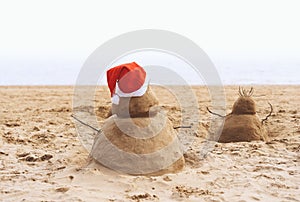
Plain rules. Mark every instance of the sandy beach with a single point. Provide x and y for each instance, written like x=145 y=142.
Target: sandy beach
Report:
x=42 y=158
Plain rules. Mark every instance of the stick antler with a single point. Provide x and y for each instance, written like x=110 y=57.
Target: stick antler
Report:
x=240 y=92
x=265 y=119
x=244 y=93
x=250 y=93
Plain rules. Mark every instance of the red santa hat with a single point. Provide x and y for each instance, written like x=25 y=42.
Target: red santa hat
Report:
x=126 y=80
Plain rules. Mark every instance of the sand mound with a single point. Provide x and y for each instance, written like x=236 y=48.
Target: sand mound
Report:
x=139 y=145
x=135 y=106
x=242 y=124
x=240 y=128
x=138 y=139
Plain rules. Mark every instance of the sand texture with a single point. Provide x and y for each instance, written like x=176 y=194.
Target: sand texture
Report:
x=153 y=139
x=42 y=158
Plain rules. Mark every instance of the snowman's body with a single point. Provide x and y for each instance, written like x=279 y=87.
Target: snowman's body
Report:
x=243 y=124
x=138 y=139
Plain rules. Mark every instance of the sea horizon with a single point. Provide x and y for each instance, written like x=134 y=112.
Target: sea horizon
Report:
x=228 y=76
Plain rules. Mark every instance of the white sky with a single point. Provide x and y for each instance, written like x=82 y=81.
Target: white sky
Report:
x=61 y=34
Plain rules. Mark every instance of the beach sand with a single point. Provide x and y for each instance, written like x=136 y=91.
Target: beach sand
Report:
x=42 y=158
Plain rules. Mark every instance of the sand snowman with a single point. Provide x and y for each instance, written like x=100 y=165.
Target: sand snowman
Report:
x=138 y=138
x=243 y=124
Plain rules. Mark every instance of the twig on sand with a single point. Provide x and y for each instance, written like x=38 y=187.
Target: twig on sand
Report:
x=176 y=127
x=95 y=129
x=215 y=113
x=265 y=119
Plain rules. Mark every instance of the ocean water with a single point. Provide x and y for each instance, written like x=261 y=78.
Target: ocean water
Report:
x=49 y=71
x=228 y=76
x=260 y=75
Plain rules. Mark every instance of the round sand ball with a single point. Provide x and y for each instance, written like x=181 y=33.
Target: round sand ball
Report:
x=136 y=106
x=244 y=105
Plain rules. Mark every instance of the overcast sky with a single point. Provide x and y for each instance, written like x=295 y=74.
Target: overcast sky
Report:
x=46 y=37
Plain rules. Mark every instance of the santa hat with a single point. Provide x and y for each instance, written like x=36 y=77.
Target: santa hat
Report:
x=126 y=80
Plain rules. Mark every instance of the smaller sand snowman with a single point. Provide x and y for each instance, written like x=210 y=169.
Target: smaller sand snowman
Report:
x=138 y=138
x=243 y=124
